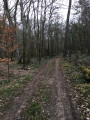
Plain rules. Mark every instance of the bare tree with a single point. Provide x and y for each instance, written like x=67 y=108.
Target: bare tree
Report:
x=66 y=30
x=24 y=32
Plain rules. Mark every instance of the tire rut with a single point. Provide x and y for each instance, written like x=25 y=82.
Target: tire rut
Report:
x=65 y=108
x=20 y=103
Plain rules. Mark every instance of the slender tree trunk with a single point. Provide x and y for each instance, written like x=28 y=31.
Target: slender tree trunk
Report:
x=8 y=69
x=24 y=49
x=24 y=36
x=67 y=28
x=2 y=53
x=17 y=50
x=38 y=35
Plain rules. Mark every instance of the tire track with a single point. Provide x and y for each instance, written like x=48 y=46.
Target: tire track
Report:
x=20 y=103
x=65 y=108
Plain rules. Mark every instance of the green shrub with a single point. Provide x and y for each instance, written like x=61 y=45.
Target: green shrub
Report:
x=86 y=72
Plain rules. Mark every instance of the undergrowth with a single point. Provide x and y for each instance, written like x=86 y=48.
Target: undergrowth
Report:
x=80 y=85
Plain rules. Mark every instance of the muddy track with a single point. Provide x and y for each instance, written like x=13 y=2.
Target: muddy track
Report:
x=61 y=106
x=20 y=103
x=64 y=105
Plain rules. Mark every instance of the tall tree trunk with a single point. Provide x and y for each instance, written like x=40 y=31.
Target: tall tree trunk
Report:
x=2 y=53
x=38 y=34
x=24 y=36
x=17 y=50
x=67 y=28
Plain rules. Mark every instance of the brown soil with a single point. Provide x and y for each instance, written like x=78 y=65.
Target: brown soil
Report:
x=61 y=106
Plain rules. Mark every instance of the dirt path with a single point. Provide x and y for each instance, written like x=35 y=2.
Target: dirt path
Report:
x=60 y=108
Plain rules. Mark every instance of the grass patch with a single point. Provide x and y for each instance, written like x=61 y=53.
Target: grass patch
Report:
x=10 y=90
x=34 y=112
x=3 y=82
x=50 y=68
x=36 y=109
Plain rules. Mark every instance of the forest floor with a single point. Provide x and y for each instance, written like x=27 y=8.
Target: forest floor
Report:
x=46 y=96
x=80 y=85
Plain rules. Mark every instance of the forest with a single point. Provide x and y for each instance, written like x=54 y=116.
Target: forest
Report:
x=45 y=60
